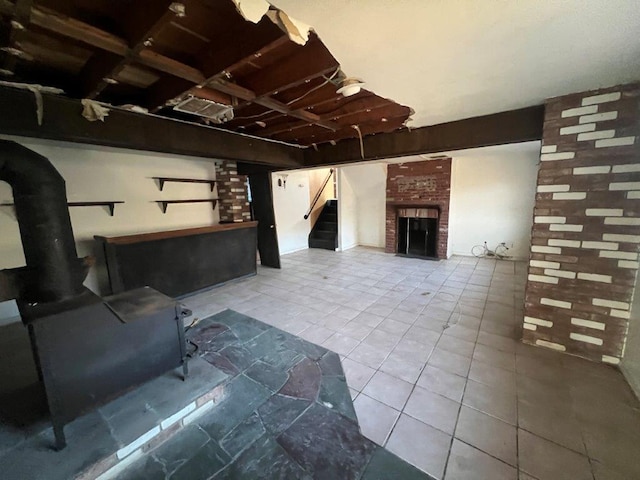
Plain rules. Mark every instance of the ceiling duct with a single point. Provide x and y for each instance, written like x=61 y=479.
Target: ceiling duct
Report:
x=216 y=112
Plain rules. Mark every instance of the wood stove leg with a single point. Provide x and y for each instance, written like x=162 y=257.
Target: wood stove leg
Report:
x=61 y=441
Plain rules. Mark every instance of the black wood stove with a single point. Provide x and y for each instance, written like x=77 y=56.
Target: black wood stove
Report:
x=88 y=349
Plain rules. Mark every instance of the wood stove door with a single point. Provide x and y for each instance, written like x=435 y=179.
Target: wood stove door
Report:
x=262 y=202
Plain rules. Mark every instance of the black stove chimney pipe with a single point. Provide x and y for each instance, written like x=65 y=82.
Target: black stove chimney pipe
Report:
x=53 y=271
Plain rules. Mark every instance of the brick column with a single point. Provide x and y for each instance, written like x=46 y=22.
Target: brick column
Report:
x=233 y=203
x=584 y=253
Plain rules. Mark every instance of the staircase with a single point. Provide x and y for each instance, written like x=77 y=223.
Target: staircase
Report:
x=324 y=233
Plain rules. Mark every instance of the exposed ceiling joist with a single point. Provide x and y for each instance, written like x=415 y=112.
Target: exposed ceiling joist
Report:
x=515 y=126
x=62 y=121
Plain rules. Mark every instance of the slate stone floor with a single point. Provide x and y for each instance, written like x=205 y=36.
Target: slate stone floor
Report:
x=286 y=414
x=431 y=355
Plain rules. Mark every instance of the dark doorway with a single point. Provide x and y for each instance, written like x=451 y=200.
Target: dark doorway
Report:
x=262 y=207
x=417 y=236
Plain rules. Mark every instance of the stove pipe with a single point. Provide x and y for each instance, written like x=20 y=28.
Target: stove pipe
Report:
x=53 y=271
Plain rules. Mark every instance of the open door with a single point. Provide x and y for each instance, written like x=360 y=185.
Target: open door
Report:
x=262 y=202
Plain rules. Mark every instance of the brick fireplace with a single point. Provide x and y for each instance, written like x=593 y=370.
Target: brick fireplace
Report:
x=419 y=190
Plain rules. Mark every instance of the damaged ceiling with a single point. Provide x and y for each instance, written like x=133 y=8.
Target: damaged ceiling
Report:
x=242 y=65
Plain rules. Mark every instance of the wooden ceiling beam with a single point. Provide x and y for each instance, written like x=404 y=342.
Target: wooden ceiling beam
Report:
x=101 y=70
x=515 y=126
x=310 y=61
x=125 y=129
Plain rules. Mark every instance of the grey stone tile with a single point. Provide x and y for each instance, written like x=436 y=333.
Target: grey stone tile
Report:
x=340 y=343
x=494 y=357
x=388 y=389
x=386 y=466
x=491 y=401
x=488 y=434
x=450 y=362
x=334 y=394
x=496 y=341
x=357 y=374
x=237 y=440
x=375 y=418
x=559 y=463
x=382 y=339
x=370 y=319
x=423 y=335
x=413 y=351
x=456 y=345
x=443 y=383
x=420 y=445
x=320 y=434
x=493 y=377
x=393 y=326
x=433 y=409
x=468 y=463
x=558 y=425
x=459 y=331
x=355 y=330
x=316 y=334
x=396 y=366
x=368 y=355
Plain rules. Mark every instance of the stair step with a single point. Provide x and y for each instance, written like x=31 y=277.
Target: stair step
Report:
x=326 y=226
x=323 y=234
x=320 y=243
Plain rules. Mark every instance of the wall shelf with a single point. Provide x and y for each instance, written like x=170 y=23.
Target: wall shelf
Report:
x=163 y=180
x=165 y=203
x=110 y=204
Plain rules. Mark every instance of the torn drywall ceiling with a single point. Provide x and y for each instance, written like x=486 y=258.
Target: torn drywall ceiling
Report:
x=254 y=10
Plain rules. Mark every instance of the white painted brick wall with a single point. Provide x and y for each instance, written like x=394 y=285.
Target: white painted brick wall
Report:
x=594 y=277
x=591 y=170
x=604 y=98
x=549 y=149
x=620 y=314
x=584 y=137
x=574 y=112
x=542 y=279
x=633 y=195
x=587 y=127
x=603 y=302
x=543 y=264
x=624 y=186
x=621 y=221
x=551 y=345
x=615 y=142
x=529 y=326
x=610 y=359
x=555 y=303
x=559 y=273
x=569 y=196
x=628 y=168
x=619 y=255
x=585 y=338
x=546 y=219
x=600 y=245
x=543 y=249
x=552 y=188
x=557 y=227
x=547 y=157
x=628 y=264
x=538 y=321
x=604 y=212
x=618 y=237
x=588 y=324
x=554 y=242
x=599 y=117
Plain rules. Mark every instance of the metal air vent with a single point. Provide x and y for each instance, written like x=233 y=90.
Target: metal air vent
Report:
x=216 y=112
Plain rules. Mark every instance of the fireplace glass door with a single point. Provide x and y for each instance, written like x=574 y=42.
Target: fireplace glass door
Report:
x=417 y=236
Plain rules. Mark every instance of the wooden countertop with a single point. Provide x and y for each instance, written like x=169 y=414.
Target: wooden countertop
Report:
x=148 y=237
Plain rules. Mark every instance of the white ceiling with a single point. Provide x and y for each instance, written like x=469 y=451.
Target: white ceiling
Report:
x=454 y=59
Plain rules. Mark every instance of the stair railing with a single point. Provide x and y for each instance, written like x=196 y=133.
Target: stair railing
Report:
x=317 y=197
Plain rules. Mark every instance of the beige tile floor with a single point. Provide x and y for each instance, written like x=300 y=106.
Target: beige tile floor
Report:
x=437 y=375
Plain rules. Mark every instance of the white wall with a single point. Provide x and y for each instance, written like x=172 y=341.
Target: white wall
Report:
x=94 y=173
x=317 y=178
x=492 y=198
x=368 y=183
x=347 y=210
x=290 y=204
